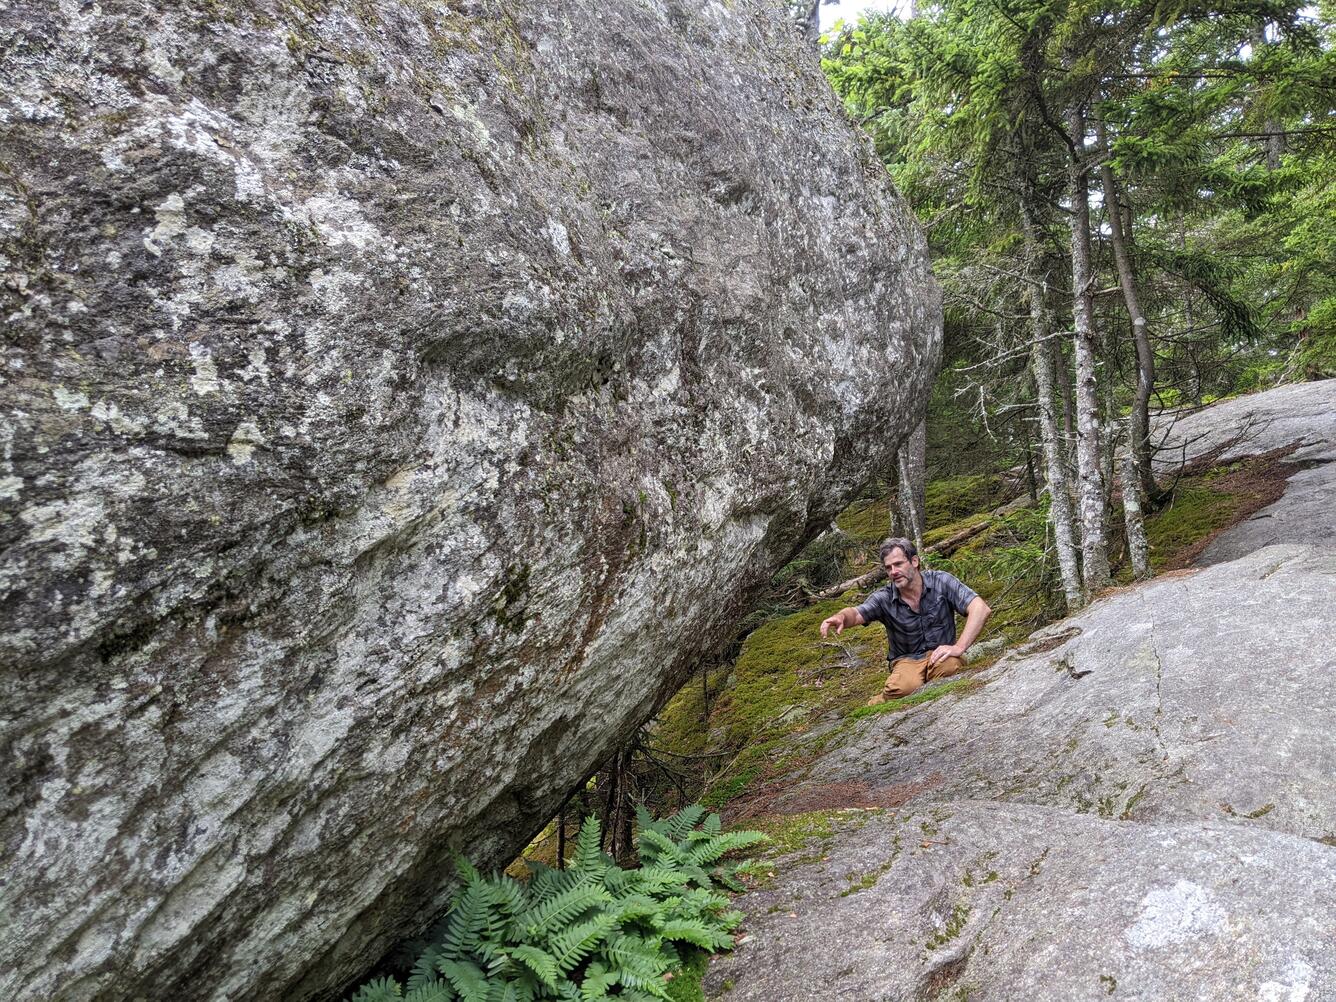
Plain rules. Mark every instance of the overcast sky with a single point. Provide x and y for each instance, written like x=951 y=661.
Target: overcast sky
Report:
x=850 y=9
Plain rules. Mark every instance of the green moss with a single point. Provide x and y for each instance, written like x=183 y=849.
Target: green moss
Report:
x=1196 y=511
x=960 y=915
x=1109 y=983
x=959 y=686
x=1132 y=801
x=946 y=501
x=869 y=521
x=795 y=832
x=687 y=984
x=861 y=882
x=721 y=793
x=785 y=677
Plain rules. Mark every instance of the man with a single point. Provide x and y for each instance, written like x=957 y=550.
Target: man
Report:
x=918 y=609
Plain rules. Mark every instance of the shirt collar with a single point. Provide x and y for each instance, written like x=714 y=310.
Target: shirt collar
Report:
x=927 y=587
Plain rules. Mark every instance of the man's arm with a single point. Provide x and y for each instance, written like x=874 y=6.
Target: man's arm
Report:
x=976 y=614
x=848 y=616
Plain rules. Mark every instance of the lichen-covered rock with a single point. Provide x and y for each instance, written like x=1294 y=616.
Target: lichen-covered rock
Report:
x=1002 y=902
x=1300 y=417
x=398 y=397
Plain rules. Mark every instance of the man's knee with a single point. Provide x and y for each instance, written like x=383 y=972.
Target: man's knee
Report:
x=900 y=687
x=945 y=667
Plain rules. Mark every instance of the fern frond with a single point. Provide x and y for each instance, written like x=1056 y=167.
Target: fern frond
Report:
x=682 y=822
x=467 y=979
x=467 y=921
x=380 y=990
x=562 y=910
x=655 y=846
x=720 y=845
x=576 y=943
x=543 y=881
x=431 y=991
x=424 y=969
x=507 y=894
x=540 y=962
x=697 y=933
x=597 y=980
x=635 y=955
x=633 y=907
x=588 y=855
x=468 y=873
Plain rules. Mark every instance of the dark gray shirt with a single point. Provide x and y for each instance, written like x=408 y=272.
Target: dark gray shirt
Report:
x=911 y=634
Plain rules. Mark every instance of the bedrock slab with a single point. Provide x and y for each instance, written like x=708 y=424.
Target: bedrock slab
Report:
x=1199 y=695
x=1302 y=417
x=998 y=902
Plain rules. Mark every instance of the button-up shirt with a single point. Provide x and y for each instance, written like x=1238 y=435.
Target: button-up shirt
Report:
x=911 y=634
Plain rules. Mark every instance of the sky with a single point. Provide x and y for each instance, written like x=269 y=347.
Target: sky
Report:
x=850 y=9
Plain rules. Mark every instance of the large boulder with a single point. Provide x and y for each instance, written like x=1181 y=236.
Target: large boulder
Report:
x=398 y=398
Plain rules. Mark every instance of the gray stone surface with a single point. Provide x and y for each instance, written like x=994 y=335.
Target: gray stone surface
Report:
x=397 y=398
x=1197 y=695
x=1302 y=415
x=1163 y=761
x=1007 y=902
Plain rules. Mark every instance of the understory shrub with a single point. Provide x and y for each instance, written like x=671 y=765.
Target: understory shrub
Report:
x=592 y=931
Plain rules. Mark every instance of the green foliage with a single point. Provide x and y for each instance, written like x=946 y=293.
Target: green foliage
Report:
x=590 y=932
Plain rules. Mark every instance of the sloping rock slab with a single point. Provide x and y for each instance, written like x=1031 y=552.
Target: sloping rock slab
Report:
x=1010 y=902
x=1207 y=694
x=1302 y=416
x=398 y=397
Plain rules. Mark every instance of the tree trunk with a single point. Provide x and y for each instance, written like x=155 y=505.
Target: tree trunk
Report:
x=1041 y=367
x=1058 y=362
x=1134 y=523
x=1274 y=131
x=908 y=513
x=1139 y=427
x=1090 y=482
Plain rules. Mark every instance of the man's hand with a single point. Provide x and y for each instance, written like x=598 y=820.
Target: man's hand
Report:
x=836 y=621
x=944 y=652
x=848 y=616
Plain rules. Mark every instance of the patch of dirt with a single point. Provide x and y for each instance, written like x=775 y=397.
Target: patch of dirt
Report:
x=779 y=798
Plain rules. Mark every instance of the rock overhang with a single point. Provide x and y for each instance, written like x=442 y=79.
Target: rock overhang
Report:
x=400 y=398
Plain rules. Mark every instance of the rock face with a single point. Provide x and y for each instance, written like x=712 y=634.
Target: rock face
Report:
x=1138 y=803
x=1302 y=417
x=398 y=398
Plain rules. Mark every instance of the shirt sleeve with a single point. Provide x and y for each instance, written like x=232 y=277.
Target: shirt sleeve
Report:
x=959 y=594
x=872 y=609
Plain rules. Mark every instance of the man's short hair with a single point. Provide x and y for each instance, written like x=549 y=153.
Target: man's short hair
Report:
x=906 y=546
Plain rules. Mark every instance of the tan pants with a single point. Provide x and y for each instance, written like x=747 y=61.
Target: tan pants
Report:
x=907 y=674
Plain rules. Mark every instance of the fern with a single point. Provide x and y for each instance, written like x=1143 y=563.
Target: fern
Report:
x=467 y=979
x=562 y=910
x=380 y=990
x=431 y=991
x=591 y=932
x=576 y=943
x=540 y=962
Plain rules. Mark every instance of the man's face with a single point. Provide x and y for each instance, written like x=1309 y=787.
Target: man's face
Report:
x=900 y=569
